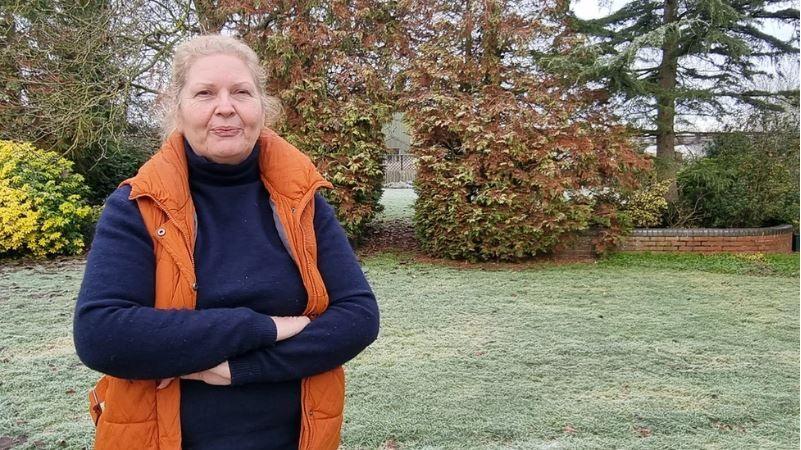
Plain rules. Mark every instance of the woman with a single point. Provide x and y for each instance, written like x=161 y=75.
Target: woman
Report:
x=205 y=271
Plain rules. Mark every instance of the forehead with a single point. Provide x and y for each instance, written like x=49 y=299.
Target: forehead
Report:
x=215 y=69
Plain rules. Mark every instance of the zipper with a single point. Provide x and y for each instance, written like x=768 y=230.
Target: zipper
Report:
x=306 y=428
x=302 y=206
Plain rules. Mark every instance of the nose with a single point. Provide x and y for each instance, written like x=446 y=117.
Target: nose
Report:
x=225 y=106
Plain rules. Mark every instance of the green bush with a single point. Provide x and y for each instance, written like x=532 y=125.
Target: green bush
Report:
x=512 y=161
x=331 y=64
x=348 y=148
x=42 y=206
x=747 y=180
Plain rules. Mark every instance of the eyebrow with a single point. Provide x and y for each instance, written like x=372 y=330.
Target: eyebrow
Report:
x=202 y=85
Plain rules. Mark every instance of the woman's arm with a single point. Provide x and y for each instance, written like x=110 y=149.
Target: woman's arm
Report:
x=346 y=328
x=117 y=330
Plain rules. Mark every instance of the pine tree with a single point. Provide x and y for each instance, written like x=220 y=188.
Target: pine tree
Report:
x=694 y=55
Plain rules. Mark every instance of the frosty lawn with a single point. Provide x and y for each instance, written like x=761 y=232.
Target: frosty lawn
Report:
x=636 y=351
x=569 y=356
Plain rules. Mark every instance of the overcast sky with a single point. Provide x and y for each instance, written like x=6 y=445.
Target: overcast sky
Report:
x=590 y=9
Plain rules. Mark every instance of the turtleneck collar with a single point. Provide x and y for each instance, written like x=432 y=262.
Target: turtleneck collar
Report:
x=204 y=171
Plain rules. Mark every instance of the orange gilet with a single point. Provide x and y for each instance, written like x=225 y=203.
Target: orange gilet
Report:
x=132 y=414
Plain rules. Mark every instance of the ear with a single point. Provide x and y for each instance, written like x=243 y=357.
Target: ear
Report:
x=177 y=123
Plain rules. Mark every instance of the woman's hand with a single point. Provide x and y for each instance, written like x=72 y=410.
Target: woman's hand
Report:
x=288 y=326
x=164 y=382
x=219 y=375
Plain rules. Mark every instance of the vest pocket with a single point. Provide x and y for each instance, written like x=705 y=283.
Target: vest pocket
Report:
x=326 y=434
x=327 y=394
x=129 y=401
x=122 y=436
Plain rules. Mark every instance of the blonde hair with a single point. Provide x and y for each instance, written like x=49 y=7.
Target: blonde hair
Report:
x=206 y=45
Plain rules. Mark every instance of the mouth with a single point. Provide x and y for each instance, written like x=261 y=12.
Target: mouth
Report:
x=226 y=131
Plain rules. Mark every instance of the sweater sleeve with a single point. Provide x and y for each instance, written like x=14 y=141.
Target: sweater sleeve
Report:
x=117 y=330
x=346 y=328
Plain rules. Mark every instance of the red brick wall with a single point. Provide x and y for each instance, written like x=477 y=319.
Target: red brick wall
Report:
x=780 y=243
x=705 y=240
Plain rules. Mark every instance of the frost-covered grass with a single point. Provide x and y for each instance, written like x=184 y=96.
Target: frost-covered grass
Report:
x=42 y=383
x=636 y=351
x=576 y=356
x=579 y=356
x=398 y=204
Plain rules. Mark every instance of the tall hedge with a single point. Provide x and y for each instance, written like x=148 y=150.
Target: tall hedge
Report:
x=328 y=62
x=510 y=163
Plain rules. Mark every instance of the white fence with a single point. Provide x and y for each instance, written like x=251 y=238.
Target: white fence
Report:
x=400 y=168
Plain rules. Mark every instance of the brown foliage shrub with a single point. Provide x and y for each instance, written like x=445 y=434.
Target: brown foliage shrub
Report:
x=327 y=62
x=509 y=162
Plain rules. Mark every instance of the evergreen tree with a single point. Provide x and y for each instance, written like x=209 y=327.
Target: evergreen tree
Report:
x=664 y=56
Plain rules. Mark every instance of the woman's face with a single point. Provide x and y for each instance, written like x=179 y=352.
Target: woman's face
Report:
x=220 y=113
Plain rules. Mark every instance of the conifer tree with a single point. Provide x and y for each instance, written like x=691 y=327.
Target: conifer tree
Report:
x=665 y=57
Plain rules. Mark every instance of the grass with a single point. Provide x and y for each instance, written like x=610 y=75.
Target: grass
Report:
x=398 y=204
x=770 y=264
x=577 y=356
x=636 y=351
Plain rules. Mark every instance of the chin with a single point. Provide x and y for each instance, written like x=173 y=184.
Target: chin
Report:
x=231 y=150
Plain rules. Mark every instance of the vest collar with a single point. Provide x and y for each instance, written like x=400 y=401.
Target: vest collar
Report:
x=285 y=171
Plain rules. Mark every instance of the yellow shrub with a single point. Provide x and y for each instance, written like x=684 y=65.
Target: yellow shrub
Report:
x=42 y=206
x=646 y=206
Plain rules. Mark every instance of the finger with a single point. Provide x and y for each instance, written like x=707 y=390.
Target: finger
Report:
x=164 y=383
x=193 y=376
x=222 y=370
x=217 y=380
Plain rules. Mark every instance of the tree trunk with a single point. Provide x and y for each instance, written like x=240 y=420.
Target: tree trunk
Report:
x=666 y=104
x=490 y=57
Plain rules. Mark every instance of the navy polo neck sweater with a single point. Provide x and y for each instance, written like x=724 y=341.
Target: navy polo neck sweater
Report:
x=240 y=261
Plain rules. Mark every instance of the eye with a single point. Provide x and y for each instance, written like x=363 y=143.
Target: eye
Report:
x=243 y=91
x=202 y=93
